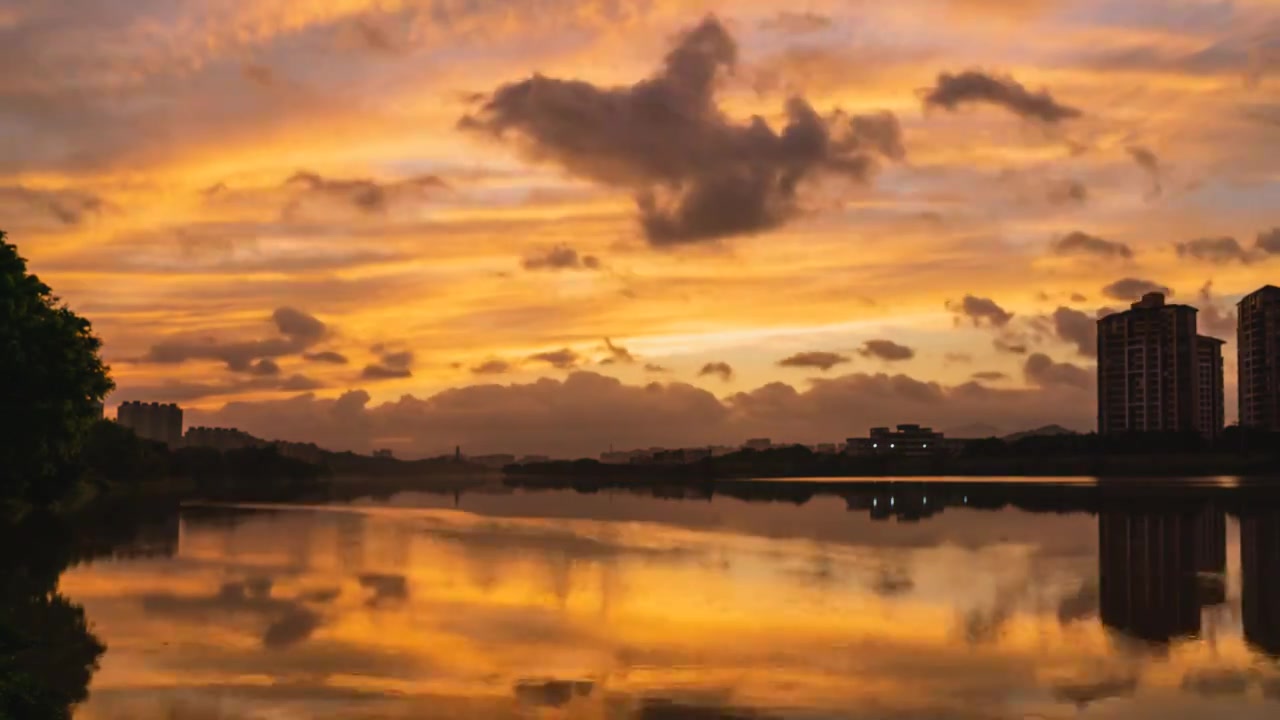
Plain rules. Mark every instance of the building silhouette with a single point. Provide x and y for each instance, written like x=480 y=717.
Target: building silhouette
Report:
x=909 y=440
x=1212 y=387
x=221 y=438
x=1151 y=363
x=1150 y=562
x=153 y=421
x=1258 y=345
x=1260 y=586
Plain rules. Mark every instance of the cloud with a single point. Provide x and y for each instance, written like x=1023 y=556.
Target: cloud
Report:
x=64 y=208
x=1083 y=693
x=617 y=354
x=797 y=23
x=328 y=356
x=492 y=367
x=886 y=350
x=552 y=693
x=1081 y=243
x=264 y=368
x=386 y=588
x=1216 y=682
x=990 y=375
x=823 y=361
x=585 y=412
x=721 y=370
x=181 y=391
x=298 y=331
x=257 y=74
x=1067 y=192
x=1269 y=241
x=1077 y=328
x=392 y=365
x=1147 y=160
x=562 y=359
x=1132 y=289
x=1077 y=297
x=1041 y=370
x=365 y=195
x=976 y=86
x=294 y=323
x=1012 y=347
x=696 y=175
x=1220 y=250
x=1213 y=320
x=559 y=257
x=655 y=368
x=980 y=311
x=955 y=357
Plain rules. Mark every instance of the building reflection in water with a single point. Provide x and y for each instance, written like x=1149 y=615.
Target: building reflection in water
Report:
x=1260 y=585
x=1159 y=567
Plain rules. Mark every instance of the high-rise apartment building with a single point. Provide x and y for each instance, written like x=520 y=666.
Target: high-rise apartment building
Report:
x=1149 y=369
x=153 y=421
x=1258 y=343
x=1212 y=393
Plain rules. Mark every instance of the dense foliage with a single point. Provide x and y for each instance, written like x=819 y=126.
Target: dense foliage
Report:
x=52 y=384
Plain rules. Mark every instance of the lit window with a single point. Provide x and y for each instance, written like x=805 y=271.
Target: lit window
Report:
x=925 y=445
x=891 y=445
x=890 y=501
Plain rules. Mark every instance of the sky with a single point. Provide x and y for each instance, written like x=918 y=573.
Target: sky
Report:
x=557 y=226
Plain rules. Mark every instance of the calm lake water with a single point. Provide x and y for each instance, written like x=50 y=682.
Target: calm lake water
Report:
x=554 y=604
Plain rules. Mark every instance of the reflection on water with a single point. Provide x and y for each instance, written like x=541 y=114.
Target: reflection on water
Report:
x=878 y=604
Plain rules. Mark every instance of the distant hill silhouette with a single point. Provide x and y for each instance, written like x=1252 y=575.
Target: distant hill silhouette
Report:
x=1046 y=431
x=973 y=431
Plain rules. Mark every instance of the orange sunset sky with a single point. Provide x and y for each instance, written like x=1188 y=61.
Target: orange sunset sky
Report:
x=556 y=225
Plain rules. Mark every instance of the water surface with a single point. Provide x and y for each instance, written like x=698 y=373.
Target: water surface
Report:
x=554 y=604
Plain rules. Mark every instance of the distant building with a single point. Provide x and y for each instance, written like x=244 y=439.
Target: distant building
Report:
x=494 y=462
x=825 y=448
x=624 y=457
x=306 y=452
x=383 y=453
x=1212 y=392
x=1258 y=345
x=153 y=421
x=535 y=459
x=905 y=440
x=221 y=438
x=1149 y=369
x=757 y=444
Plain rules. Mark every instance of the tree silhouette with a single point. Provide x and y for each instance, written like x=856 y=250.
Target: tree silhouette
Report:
x=52 y=383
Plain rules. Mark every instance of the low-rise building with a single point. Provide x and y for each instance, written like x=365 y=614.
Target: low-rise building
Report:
x=905 y=440
x=221 y=438
x=153 y=421
x=757 y=444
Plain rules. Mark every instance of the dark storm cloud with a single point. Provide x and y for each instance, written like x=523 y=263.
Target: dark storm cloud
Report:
x=976 y=86
x=980 y=311
x=562 y=359
x=492 y=367
x=365 y=195
x=1077 y=328
x=990 y=375
x=696 y=174
x=1147 y=160
x=298 y=331
x=64 y=207
x=1132 y=289
x=823 y=361
x=1041 y=370
x=560 y=257
x=721 y=370
x=886 y=350
x=1067 y=192
x=328 y=356
x=1082 y=243
x=1220 y=250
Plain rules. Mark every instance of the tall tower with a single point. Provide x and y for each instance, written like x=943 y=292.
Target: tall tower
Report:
x=1258 y=342
x=1148 y=369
